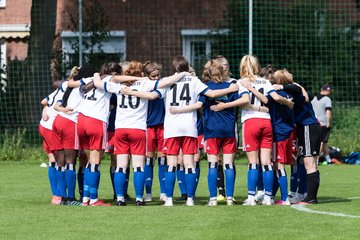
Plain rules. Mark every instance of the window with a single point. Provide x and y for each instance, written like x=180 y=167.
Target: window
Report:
x=2 y=3
x=198 y=46
x=111 y=49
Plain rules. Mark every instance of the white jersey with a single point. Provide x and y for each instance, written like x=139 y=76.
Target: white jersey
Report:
x=185 y=92
x=96 y=103
x=131 y=111
x=53 y=98
x=74 y=101
x=263 y=86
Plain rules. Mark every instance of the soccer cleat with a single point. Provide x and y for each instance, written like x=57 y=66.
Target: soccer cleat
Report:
x=220 y=198
x=189 y=202
x=249 y=202
x=259 y=197
x=267 y=202
x=307 y=201
x=148 y=197
x=56 y=200
x=163 y=197
x=229 y=202
x=140 y=203
x=183 y=197
x=212 y=202
x=127 y=197
x=100 y=203
x=281 y=202
x=120 y=203
x=168 y=203
x=73 y=202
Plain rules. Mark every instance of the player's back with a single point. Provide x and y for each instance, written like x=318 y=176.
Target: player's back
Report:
x=185 y=92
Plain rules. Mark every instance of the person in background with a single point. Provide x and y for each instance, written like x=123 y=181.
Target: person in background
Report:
x=322 y=106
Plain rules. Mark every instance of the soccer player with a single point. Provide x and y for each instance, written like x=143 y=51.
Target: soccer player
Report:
x=155 y=135
x=45 y=130
x=322 y=107
x=130 y=126
x=65 y=134
x=282 y=120
x=257 y=130
x=219 y=131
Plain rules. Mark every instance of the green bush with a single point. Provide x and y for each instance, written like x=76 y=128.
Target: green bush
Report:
x=14 y=147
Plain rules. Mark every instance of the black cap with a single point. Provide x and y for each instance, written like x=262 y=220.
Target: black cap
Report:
x=327 y=87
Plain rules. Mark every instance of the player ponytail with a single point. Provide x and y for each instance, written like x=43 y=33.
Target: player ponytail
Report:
x=249 y=67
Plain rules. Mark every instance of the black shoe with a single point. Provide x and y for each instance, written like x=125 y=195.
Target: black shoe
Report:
x=115 y=199
x=308 y=201
x=73 y=202
x=64 y=201
x=120 y=203
x=183 y=197
x=127 y=197
x=140 y=203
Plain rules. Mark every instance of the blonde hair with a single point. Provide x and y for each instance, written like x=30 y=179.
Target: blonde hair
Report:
x=74 y=71
x=249 y=67
x=223 y=62
x=283 y=77
x=213 y=71
x=124 y=66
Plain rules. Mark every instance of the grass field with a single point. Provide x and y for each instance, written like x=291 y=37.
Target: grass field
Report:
x=26 y=213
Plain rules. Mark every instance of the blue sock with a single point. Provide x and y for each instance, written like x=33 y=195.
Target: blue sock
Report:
x=275 y=184
x=61 y=183
x=126 y=185
x=170 y=177
x=302 y=187
x=94 y=179
x=119 y=181
x=112 y=175
x=260 y=182
x=161 y=173
x=180 y=173
x=197 y=169
x=268 y=179
x=80 y=179
x=86 y=192
x=293 y=178
x=212 y=179
x=52 y=178
x=139 y=180
x=253 y=174
x=148 y=170
x=283 y=182
x=70 y=177
x=230 y=179
x=190 y=179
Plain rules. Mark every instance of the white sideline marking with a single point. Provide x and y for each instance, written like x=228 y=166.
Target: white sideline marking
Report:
x=302 y=208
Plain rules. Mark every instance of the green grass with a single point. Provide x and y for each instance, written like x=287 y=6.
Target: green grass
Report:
x=25 y=212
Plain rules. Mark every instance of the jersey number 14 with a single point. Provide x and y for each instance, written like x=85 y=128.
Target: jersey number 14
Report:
x=184 y=94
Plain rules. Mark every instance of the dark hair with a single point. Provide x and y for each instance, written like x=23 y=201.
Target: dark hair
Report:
x=268 y=72
x=85 y=71
x=110 y=68
x=180 y=64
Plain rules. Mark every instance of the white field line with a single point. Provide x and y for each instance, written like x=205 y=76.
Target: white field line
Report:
x=302 y=208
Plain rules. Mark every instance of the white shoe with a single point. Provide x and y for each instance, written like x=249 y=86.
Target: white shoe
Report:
x=163 y=197
x=148 y=197
x=293 y=199
x=212 y=202
x=230 y=201
x=267 y=201
x=189 y=202
x=248 y=202
x=259 y=196
x=168 y=202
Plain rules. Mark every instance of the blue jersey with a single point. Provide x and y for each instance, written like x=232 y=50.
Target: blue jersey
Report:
x=156 y=112
x=304 y=113
x=200 y=123
x=282 y=118
x=112 y=115
x=219 y=124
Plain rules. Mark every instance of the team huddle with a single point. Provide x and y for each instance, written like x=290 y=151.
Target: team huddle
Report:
x=130 y=112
